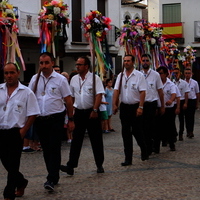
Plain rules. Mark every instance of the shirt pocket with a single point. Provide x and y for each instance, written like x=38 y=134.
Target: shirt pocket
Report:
x=134 y=85
x=151 y=86
x=18 y=106
x=88 y=90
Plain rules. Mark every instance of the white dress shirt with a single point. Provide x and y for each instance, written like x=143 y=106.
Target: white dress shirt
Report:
x=194 y=89
x=154 y=83
x=50 y=93
x=183 y=87
x=82 y=90
x=169 y=88
x=131 y=86
x=15 y=110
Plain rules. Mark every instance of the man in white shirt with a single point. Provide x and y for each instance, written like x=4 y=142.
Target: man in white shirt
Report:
x=184 y=90
x=153 y=93
x=193 y=100
x=18 y=110
x=52 y=88
x=131 y=86
x=87 y=100
x=166 y=123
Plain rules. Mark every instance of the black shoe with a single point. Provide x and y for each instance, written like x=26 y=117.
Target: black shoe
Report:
x=164 y=144
x=67 y=169
x=126 y=163
x=144 y=157
x=180 y=137
x=172 y=148
x=100 y=170
x=49 y=186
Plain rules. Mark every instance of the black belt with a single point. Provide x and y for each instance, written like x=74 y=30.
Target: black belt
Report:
x=84 y=110
x=8 y=130
x=53 y=116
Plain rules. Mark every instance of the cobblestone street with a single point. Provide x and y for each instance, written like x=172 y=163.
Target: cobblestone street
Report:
x=165 y=176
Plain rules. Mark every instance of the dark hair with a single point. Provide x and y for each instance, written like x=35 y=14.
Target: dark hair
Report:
x=56 y=66
x=87 y=61
x=132 y=57
x=47 y=54
x=176 y=68
x=165 y=70
x=146 y=55
x=188 y=69
x=8 y=63
x=107 y=80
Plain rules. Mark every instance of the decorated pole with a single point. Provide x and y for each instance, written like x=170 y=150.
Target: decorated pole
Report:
x=53 y=18
x=9 y=46
x=96 y=27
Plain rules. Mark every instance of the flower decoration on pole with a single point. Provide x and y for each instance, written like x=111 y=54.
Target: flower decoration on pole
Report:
x=139 y=36
x=189 y=55
x=96 y=27
x=53 y=18
x=9 y=47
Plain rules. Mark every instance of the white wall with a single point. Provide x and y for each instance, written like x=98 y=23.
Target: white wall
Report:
x=189 y=14
x=32 y=6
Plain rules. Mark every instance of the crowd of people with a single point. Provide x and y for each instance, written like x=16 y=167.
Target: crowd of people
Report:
x=147 y=100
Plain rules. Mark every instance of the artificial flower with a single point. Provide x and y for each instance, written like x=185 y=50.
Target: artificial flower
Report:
x=95 y=23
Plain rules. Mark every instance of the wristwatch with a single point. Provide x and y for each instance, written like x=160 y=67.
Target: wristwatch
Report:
x=95 y=110
x=141 y=107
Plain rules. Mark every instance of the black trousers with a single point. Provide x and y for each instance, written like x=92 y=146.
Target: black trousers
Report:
x=189 y=115
x=165 y=128
x=50 y=130
x=181 y=117
x=131 y=126
x=11 y=145
x=93 y=126
x=149 y=114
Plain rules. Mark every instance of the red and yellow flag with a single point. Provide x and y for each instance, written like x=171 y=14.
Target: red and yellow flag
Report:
x=172 y=30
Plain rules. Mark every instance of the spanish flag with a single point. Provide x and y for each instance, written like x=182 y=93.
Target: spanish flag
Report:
x=172 y=30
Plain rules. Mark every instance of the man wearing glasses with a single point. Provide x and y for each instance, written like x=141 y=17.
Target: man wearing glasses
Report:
x=154 y=93
x=87 y=100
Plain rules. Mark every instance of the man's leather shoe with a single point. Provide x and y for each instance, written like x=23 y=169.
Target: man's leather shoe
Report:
x=67 y=169
x=126 y=163
x=144 y=157
x=180 y=137
x=20 y=191
x=100 y=170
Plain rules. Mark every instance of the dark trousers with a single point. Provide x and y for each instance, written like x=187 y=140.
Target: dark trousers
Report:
x=10 y=153
x=165 y=128
x=93 y=126
x=49 y=130
x=149 y=114
x=181 y=117
x=189 y=115
x=131 y=126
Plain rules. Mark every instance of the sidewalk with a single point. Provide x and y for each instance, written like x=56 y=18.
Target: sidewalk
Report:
x=165 y=176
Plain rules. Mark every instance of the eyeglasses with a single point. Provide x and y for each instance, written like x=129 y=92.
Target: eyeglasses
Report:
x=161 y=73
x=44 y=62
x=175 y=72
x=78 y=64
x=187 y=73
x=57 y=70
x=145 y=60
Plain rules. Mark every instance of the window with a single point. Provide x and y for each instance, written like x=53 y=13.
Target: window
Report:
x=171 y=13
x=76 y=24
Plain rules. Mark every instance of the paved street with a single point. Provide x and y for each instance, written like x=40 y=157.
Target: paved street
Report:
x=165 y=176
